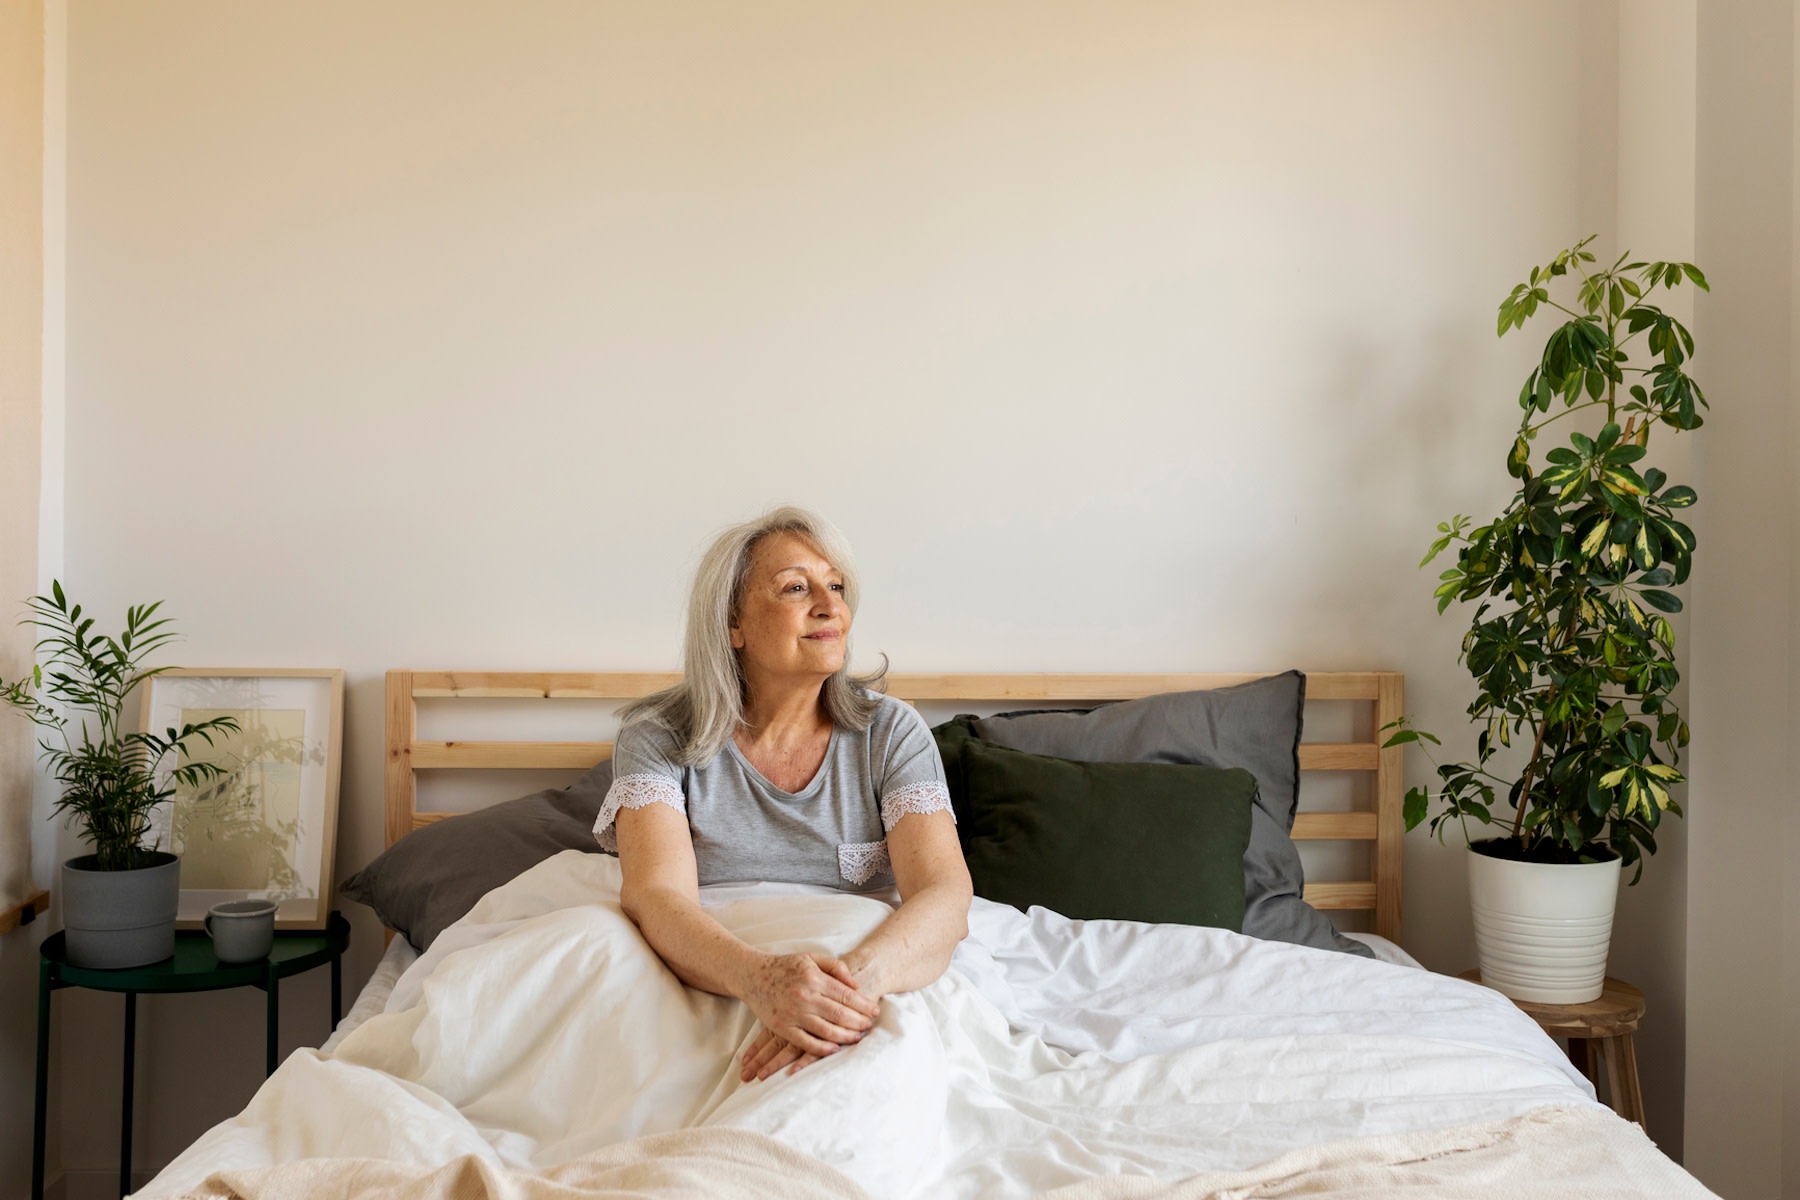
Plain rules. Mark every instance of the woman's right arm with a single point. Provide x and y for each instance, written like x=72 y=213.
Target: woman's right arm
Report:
x=810 y=1000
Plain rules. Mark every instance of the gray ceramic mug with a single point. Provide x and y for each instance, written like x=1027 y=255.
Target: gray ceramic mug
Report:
x=241 y=930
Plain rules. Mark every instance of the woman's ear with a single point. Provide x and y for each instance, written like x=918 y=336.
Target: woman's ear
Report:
x=737 y=637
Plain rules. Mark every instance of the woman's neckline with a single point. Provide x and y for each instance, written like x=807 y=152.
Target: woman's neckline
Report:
x=812 y=784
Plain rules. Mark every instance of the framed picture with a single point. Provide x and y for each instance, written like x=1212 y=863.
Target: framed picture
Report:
x=266 y=827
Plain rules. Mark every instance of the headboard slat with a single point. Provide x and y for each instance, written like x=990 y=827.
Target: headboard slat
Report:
x=1329 y=685
x=1335 y=827
x=510 y=756
x=1355 y=896
x=1330 y=756
x=540 y=685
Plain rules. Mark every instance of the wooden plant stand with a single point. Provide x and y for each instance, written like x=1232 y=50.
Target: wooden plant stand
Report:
x=1599 y=1032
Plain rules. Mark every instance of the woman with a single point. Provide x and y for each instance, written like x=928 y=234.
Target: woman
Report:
x=770 y=762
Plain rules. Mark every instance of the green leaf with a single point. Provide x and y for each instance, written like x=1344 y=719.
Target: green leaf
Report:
x=1678 y=497
x=1418 y=803
x=1665 y=601
x=1678 y=534
x=1614 y=719
x=1624 y=479
x=1517 y=463
x=1401 y=739
x=1596 y=537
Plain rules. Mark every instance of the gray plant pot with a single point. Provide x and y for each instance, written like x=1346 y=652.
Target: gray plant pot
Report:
x=118 y=919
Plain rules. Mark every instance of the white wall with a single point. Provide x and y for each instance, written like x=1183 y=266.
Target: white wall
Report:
x=1117 y=336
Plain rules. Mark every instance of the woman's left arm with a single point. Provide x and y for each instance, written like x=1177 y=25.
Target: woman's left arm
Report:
x=913 y=946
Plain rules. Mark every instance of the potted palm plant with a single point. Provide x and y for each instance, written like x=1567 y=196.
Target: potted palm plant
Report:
x=118 y=903
x=1571 y=652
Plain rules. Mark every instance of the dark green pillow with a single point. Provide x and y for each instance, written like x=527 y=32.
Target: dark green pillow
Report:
x=1161 y=842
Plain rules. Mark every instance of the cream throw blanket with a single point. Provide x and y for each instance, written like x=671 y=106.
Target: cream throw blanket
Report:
x=688 y=1164
x=1549 y=1154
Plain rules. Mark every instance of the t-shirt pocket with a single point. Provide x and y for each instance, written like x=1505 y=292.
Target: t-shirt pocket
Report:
x=862 y=863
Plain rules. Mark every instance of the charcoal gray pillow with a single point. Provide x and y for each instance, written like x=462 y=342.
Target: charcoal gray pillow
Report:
x=432 y=877
x=1253 y=725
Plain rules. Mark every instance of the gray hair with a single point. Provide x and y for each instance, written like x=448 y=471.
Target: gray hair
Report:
x=706 y=708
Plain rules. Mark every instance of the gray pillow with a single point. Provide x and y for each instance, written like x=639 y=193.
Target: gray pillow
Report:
x=429 y=879
x=1253 y=725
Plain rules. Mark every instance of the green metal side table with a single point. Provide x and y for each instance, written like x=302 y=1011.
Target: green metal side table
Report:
x=192 y=968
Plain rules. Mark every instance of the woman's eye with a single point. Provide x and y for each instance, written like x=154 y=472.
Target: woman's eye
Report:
x=837 y=587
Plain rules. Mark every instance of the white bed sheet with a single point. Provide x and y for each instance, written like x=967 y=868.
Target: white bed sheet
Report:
x=542 y=1027
x=373 y=998
x=401 y=954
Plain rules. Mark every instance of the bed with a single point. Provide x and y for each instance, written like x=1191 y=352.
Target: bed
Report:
x=538 y=1047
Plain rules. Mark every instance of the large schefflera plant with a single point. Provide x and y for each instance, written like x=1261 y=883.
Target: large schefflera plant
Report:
x=1572 y=657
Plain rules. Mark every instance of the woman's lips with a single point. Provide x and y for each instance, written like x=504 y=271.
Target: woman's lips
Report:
x=824 y=635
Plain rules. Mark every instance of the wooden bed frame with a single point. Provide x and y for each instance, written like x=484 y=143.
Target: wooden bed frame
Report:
x=1382 y=690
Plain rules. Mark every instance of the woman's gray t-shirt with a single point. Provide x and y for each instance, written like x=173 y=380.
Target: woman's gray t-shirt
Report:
x=831 y=832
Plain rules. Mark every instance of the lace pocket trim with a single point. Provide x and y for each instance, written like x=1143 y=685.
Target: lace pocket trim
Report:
x=634 y=791
x=862 y=862
x=927 y=797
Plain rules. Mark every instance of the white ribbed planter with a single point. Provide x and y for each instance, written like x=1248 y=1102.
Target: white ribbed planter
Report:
x=1542 y=929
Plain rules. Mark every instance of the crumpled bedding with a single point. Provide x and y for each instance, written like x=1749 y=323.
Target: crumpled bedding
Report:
x=542 y=1029
x=1549 y=1154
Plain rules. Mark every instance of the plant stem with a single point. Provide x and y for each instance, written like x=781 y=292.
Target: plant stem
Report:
x=1574 y=408
x=1537 y=751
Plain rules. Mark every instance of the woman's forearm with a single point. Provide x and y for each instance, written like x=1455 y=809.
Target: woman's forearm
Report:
x=912 y=948
x=702 y=953
x=811 y=1001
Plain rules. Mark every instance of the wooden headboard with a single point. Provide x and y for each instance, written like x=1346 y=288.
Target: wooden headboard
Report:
x=1381 y=690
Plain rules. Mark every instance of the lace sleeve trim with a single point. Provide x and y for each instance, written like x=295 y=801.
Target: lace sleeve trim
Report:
x=634 y=791
x=927 y=797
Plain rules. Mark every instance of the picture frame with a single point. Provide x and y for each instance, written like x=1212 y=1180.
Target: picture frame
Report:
x=267 y=827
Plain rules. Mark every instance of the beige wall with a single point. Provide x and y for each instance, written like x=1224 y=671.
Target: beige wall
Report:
x=21 y=329
x=1652 y=212
x=1121 y=336
x=1743 y=887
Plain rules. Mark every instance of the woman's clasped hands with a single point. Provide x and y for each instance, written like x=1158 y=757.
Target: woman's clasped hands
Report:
x=810 y=1006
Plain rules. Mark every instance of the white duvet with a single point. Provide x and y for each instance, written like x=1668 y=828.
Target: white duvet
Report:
x=542 y=1027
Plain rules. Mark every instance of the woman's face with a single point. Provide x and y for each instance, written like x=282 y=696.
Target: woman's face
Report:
x=792 y=620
